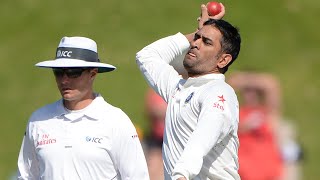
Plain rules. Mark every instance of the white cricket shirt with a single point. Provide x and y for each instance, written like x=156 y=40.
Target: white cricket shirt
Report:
x=200 y=137
x=97 y=142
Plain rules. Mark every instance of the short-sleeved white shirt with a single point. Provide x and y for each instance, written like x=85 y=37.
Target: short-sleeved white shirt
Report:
x=97 y=142
x=200 y=137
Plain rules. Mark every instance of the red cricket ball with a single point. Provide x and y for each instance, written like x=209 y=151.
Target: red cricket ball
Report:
x=214 y=8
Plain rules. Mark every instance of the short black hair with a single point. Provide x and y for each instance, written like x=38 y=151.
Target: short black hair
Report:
x=230 y=41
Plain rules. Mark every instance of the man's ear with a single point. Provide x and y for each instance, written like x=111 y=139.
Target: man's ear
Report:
x=94 y=72
x=224 y=60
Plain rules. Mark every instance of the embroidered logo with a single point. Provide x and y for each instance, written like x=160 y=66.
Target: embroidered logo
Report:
x=93 y=139
x=189 y=98
x=220 y=103
x=221 y=99
x=46 y=140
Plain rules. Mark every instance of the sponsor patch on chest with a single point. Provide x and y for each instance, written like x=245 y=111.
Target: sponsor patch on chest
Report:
x=46 y=139
x=94 y=139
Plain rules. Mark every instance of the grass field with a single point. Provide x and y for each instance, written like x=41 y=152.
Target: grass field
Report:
x=280 y=37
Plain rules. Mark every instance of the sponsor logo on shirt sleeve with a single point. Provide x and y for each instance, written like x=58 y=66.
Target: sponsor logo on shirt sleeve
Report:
x=219 y=104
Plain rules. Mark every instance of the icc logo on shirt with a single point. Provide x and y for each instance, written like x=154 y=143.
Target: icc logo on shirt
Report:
x=93 y=139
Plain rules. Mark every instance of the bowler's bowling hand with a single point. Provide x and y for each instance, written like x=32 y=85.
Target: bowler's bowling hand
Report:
x=204 y=16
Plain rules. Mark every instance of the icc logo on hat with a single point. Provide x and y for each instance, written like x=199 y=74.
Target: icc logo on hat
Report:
x=63 y=53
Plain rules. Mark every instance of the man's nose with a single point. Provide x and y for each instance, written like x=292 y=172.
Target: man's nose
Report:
x=194 y=44
x=64 y=78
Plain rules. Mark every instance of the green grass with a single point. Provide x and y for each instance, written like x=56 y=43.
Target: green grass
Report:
x=280 y=37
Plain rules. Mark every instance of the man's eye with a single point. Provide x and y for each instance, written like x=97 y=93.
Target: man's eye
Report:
x=207 y=42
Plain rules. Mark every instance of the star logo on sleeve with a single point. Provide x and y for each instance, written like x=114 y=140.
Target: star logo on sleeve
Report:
x=221 y=99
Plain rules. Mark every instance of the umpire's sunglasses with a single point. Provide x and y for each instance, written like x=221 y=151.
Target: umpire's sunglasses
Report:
x=70 y=72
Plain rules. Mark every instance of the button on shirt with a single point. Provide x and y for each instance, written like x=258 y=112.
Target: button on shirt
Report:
x=200 y=137
x=97 y=142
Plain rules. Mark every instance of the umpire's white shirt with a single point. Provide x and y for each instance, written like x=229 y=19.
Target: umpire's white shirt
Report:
x=98 y=142
x=200 y=137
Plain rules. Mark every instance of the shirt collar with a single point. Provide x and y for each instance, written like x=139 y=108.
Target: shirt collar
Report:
x=90 y=111
x=200 y=80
